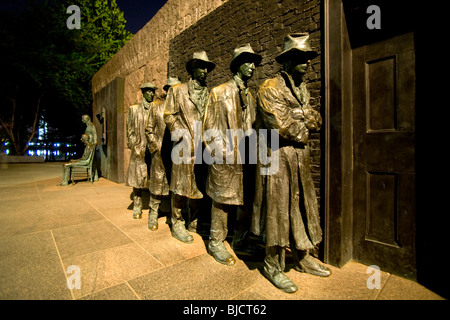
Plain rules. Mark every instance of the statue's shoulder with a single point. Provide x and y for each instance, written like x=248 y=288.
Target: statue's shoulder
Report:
x=272 y=85
x=224 y=89
x=179 y=87
x=134 y=106
x=157 y=102
x=272 y=82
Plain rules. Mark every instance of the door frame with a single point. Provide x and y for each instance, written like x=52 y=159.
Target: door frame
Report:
x=337 y=149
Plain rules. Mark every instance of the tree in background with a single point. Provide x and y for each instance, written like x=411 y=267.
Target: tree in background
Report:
x=47 y=68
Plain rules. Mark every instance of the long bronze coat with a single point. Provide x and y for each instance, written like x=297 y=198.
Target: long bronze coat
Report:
x=158 y=184
x=285 y=206
x=92 y=133
x=225 y=111
x=137 y=175
x=181 y=112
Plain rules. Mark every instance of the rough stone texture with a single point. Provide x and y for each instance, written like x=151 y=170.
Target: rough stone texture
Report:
x=263 y=24
x=145 y=57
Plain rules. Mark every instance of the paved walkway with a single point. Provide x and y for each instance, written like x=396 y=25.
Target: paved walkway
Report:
x=45 y=229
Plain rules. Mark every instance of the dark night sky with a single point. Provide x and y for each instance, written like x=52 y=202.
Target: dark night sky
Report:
x=137 y=12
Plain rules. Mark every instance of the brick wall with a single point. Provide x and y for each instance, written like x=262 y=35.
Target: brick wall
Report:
x=263 y=24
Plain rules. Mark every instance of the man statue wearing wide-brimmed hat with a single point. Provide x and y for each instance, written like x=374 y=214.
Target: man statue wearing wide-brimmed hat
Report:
x=170 y=82
x=285 y=207
x=137 y=174
x=157 y=141
x=231 y=106
x=184 y=110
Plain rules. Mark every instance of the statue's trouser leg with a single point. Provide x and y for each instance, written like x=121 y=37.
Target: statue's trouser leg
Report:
x=218 y=233
x=242 y=226
x=178 y=228
x=298 y=255
x=274 y=260
x=219 y=223
x=177 y=204
x=66 y=173
x=194 y=206
x=137 y=203
x=95 y=173
x=153 y=204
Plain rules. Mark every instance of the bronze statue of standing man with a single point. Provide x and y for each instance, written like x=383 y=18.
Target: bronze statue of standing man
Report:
x=183 y=113
x=137 y=175
x=92 y=132
x=90 y=128
x=287 y=200
x=231 y=106
x=158 y=183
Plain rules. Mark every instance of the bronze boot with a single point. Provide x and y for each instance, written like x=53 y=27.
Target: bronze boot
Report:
x=273 y=270
x=179 y=232
x=137 y=207
x=153 y=220
x=153 y=204
x=280 y=280
x=218 y=234
x=308 y=264
x=220 y=253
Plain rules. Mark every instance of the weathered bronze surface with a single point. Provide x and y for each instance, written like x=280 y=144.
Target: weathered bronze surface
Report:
x=158 y=182
x=230 y=106
x=85 y=159
x=170 y=82
x=137 y=175
x=90 y=128
x=184 y=109
x=281 y=206
x=286 y=210
x=92 y=132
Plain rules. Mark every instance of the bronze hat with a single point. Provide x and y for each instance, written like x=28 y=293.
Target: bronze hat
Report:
x=200 y=56
x=243 y=54
x=170 y=82
x=296 y=44
x=148 y=85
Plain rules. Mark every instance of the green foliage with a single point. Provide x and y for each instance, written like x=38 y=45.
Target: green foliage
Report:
x=40 y=55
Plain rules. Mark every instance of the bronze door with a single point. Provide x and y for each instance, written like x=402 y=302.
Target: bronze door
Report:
x=383 y=106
